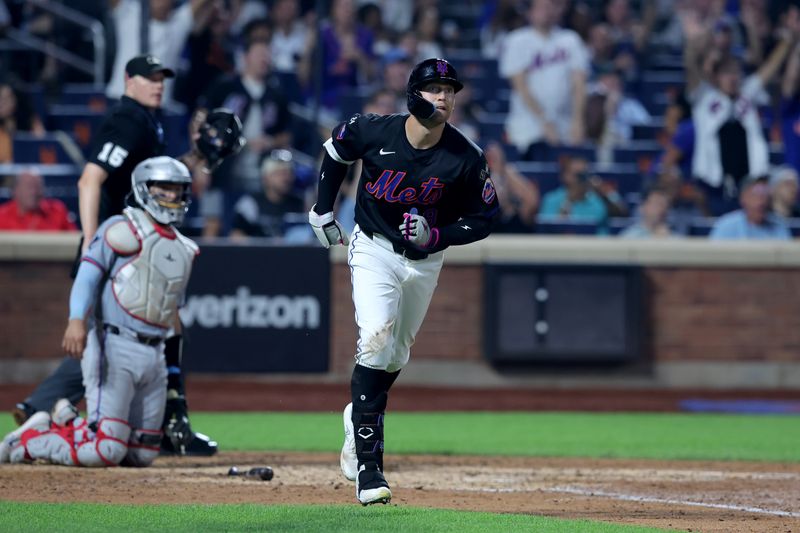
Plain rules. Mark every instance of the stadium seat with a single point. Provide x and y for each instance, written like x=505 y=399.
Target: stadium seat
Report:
x=701 y=226
x=563 y=227
x=50 y=148
x=79 y=121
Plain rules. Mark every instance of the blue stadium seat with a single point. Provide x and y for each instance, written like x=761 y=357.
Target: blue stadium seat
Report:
x=79 y=121
x=649 y=132
x=84 y=95
x=561 y=227
x=51 y=148
x=701 y=226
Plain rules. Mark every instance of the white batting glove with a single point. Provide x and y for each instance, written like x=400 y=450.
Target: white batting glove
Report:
x=327 y=229
x=416 y=230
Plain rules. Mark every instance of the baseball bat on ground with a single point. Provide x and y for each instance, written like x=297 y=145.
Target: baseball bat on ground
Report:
x=263 y=473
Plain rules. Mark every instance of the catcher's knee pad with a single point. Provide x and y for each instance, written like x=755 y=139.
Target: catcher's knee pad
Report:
x=109 y=445
x=368 y=429
x=143 y=447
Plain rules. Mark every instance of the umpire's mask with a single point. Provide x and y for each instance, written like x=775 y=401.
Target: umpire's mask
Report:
x=430 y=70
x=158 y=170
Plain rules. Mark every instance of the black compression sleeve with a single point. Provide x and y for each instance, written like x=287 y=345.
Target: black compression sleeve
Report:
x=331 y=176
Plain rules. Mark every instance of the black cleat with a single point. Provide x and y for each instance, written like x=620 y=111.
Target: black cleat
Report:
x=371 y=486
x=200 y=446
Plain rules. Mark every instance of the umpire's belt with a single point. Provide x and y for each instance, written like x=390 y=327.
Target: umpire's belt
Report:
x=150 y=340
x=407 y=252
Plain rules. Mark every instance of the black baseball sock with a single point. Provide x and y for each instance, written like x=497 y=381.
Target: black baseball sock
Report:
x=172 y=354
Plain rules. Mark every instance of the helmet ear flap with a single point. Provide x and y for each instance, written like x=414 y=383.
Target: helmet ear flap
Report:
x=418 y=106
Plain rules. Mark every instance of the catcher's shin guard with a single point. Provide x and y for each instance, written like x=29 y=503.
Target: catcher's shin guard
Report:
x=109 y=445
x=368 y=429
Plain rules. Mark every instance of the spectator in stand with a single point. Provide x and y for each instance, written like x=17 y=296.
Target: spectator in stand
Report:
x=790 y=105
x=16 y=111
x=396 y=69
x=168 y=31
x=427 y=26
x=244 y=12
x=679 y=135
x=498 y=18
x=547 y=68
x=729 y=139
x=270 y=213
x=289 y=35
x=370 y=16
x=686 y=199
x=630 y=36
x=652 y=220
x=611 y=114
x=256 y=97
x=347 y=57
x=581 y=198
x=16 y=114
x=211 y=55
x=29 y=210
x=783 y=186
x=518 y=196
x=381 y=102
x=753 y=220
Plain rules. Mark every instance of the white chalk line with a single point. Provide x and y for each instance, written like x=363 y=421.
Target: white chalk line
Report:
x=647 y=499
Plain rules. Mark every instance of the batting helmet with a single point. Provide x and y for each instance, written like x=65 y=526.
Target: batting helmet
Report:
x=428 y=71
x=220 y=137
x=162 y=169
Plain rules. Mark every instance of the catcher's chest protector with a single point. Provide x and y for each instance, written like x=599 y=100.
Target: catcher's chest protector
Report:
x=151 y=283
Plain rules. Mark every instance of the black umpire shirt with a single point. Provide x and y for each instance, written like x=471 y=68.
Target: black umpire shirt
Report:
x=129 y=134
x=449 y=184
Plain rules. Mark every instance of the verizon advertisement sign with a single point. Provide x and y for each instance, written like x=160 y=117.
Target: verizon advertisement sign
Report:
x=257 y=309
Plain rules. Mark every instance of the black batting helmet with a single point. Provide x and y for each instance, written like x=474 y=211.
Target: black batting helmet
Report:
x=220 y=136
x=434 y=70
x=430 y=70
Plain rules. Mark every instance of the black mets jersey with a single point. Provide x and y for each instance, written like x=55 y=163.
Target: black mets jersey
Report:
x=129 y=135
x=449 y=184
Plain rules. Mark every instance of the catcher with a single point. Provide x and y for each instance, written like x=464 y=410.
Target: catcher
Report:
x=141 y=265
x=215 y=135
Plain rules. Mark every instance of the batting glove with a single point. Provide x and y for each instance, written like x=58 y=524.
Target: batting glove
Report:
x=416 y=230
x=327 y=229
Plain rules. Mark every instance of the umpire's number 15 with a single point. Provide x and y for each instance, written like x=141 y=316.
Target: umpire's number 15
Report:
x=112 y=154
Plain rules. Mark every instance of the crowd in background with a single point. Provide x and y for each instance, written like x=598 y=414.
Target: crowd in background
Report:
x=570 y=76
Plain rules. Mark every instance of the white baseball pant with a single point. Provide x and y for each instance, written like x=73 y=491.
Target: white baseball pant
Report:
x=391 y=295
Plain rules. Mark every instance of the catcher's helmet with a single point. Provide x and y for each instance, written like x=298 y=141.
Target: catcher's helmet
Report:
x=430 y=70
x=162 y=169
x=220 y=136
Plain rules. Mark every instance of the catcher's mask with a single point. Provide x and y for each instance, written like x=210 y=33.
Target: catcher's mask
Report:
x=162 y=170
x=430 y=70
x=220 y=137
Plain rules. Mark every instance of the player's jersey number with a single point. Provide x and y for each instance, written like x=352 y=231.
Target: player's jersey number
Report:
x=112 y=154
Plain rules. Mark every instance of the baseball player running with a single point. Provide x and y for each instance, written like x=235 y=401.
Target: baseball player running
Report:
x=215 y=135
x=424 y=186
x=141 y=264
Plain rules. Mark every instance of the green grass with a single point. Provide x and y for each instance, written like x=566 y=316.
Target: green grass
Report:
x=624 y=435
x=640 y=435
x=89 y=518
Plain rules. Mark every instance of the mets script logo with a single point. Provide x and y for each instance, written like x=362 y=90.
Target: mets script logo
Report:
x=387 y=187
x=488 y=193
x=441 y=68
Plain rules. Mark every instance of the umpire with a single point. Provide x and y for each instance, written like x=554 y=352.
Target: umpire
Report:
x=130 y=134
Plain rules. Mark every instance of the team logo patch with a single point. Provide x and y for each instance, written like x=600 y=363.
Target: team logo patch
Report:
x=488 y=193
x=441 y=68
